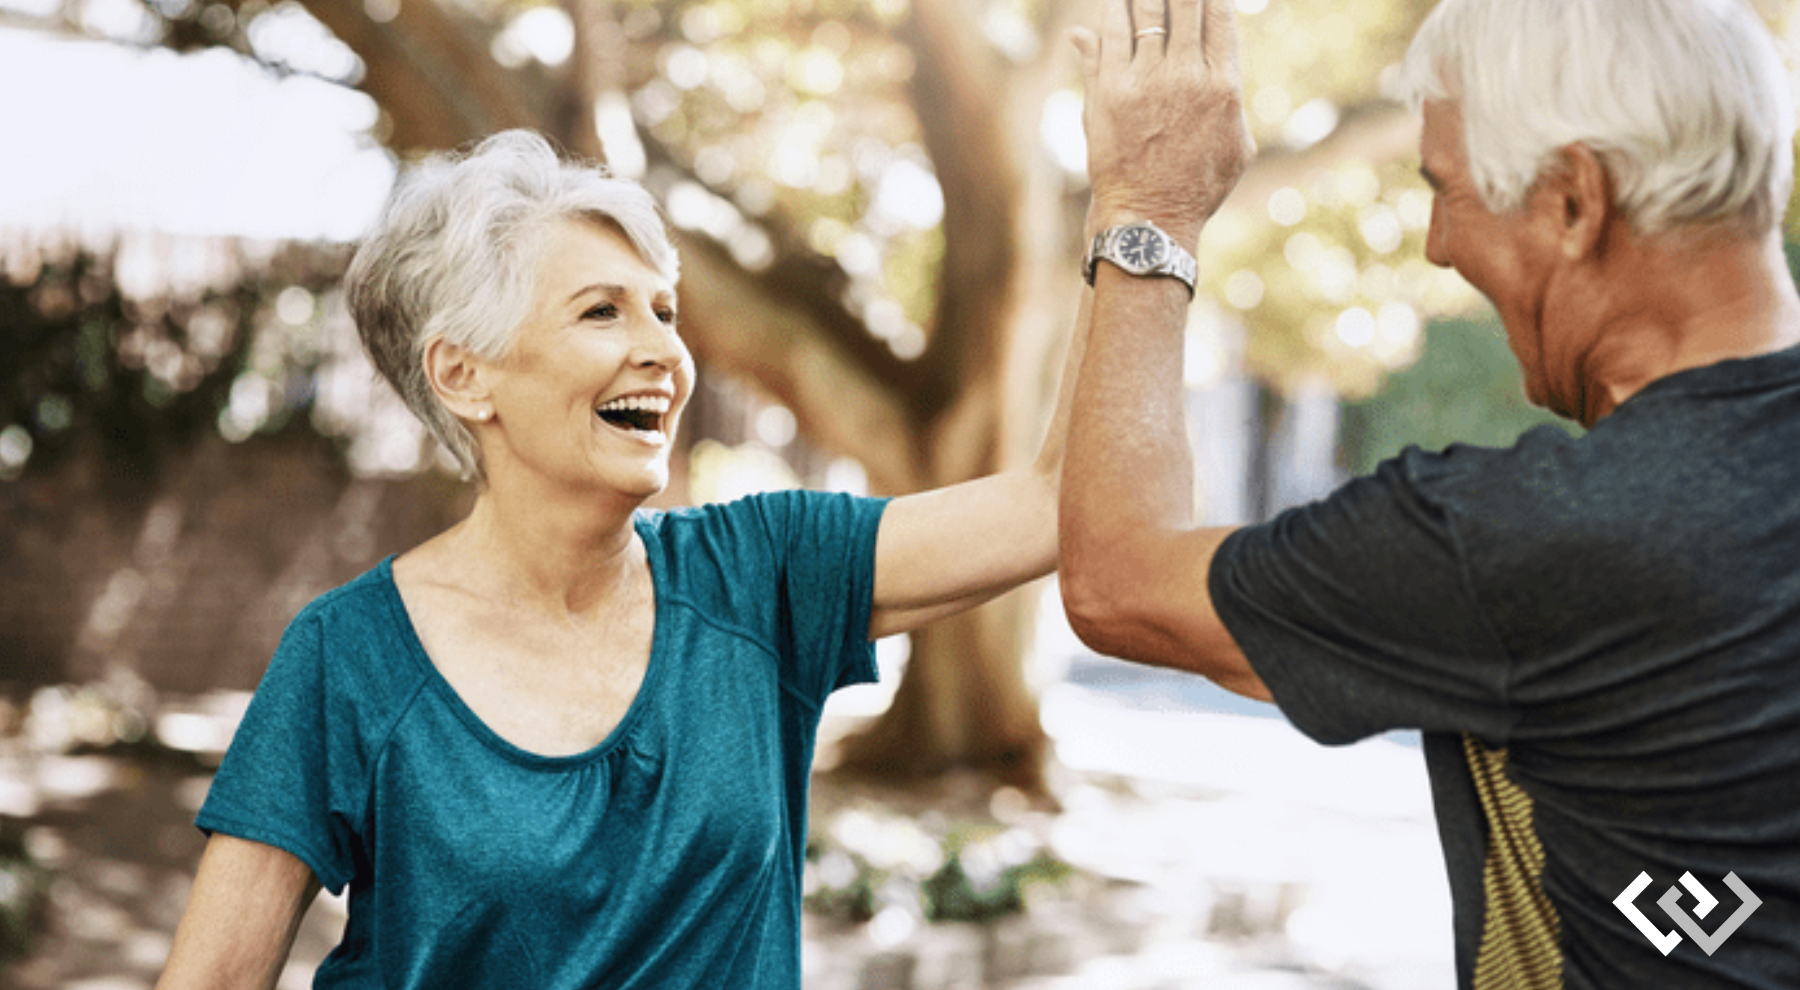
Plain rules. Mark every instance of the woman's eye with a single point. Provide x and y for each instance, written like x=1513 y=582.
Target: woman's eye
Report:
x=604 y=311
x=666 y=315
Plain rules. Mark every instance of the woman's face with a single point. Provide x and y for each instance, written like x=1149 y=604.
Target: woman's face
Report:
x=591 y=391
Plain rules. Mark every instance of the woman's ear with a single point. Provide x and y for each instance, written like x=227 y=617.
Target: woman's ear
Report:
x=459 y=378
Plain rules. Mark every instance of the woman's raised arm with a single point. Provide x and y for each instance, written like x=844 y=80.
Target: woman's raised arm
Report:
x=949 y=549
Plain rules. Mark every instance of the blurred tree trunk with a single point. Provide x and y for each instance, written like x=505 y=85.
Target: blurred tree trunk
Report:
x=1006 y=301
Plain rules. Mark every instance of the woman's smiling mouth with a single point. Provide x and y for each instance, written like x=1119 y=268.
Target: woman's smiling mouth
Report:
x=639 y=415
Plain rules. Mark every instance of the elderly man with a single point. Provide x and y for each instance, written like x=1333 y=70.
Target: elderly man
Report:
x=1599 y=637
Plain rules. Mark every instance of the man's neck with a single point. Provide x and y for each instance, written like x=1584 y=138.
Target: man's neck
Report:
x=1687 y=303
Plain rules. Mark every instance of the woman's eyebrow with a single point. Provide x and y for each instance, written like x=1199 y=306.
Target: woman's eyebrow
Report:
x=603 y=288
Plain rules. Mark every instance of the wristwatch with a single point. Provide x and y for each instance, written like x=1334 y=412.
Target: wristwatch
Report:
x=1141 y=249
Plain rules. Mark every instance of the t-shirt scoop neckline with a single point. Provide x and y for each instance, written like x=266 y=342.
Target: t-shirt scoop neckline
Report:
x=485 y=733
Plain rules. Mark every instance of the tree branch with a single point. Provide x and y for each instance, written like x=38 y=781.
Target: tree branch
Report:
x=1375 y=133
x=431 y=74
x=954 y=89
x=811 y=289
x=757 y=327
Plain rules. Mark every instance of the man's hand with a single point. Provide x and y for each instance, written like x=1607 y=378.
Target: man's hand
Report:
x=1166 y=134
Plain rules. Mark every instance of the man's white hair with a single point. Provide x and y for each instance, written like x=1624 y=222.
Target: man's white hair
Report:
x=1686 y=102
x=456 y=252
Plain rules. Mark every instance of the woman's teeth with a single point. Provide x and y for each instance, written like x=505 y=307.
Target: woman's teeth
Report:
x=639 y=413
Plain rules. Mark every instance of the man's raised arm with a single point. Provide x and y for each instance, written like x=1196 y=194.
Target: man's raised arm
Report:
x=1167 y=141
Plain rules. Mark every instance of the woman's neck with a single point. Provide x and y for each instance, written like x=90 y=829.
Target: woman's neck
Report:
x=562 y=555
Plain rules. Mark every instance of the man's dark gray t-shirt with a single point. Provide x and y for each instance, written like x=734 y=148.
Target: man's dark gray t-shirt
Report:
x=1600 y=638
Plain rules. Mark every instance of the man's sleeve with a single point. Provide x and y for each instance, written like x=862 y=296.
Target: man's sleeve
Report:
x=1358 y=612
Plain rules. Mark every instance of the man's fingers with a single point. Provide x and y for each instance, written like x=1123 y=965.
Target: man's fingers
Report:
x=1149 y=16
x=1087 y=46
x=1218 y=38
x=1115 y=35
x=1184 y=28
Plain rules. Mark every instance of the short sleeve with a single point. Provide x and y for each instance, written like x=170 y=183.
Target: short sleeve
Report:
x=1358 y=614
x=826 y=543
x=290 y=778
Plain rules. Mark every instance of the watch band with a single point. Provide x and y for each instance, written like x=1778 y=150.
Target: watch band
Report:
x=1140 y=249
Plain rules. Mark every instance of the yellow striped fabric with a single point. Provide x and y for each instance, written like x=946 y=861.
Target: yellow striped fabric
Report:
x=1521 y=947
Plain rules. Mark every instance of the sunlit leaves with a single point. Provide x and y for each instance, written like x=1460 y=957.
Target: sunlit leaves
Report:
x=218 y=336
x=911 y=274
x=542 y=33
x=1330 y=275
x=799 y=115
x=1306 y=60
x=1793 y=210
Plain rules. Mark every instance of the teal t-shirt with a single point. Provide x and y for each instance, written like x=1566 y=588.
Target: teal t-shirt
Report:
x=669 y=856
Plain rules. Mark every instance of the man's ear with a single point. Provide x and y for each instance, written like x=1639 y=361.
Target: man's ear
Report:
x=459 y=378
x=1581 y=194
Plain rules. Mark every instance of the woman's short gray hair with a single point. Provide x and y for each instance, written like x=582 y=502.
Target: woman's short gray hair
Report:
x=1687 y=102
x=455 y=255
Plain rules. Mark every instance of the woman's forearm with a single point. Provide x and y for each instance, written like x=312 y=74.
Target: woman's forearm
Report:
x=944 y=551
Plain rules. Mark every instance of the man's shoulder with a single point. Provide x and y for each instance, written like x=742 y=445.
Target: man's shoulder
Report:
x=1546 y=464
x=1626 y=462
x=1713 y=440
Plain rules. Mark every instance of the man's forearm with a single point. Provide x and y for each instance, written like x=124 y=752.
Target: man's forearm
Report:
x=1167 y=141
x=1129 y=469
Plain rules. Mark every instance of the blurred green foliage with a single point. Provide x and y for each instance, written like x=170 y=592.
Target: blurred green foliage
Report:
x=965 y=872
x=979 y=883
x=24 y=887
x=1465 y=388
x=82 y=361
x=85 y=366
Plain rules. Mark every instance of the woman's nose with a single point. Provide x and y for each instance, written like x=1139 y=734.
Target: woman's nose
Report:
x=658 y=345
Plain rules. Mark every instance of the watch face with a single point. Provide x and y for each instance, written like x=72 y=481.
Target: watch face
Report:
x=1141 y=249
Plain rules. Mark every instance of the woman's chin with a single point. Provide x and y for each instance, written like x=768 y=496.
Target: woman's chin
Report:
x=648 y=482
x=652 y=488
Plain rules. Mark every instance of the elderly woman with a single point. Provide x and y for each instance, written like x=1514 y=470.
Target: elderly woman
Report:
x=566 y=743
